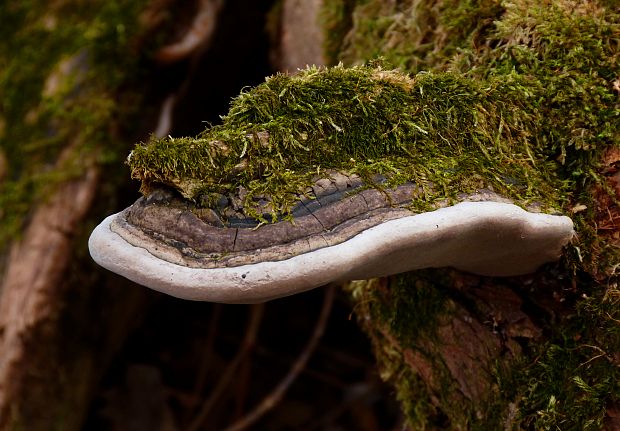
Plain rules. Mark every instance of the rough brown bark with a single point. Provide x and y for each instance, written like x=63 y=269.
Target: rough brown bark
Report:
x=301 y=41
x=35 y=269
x=53 y=351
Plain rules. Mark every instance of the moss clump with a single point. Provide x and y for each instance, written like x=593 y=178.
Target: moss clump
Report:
x=577 y=374
x=336 y=17
x=566 y=55
x=445 y=133
x=399 y=316
x=413 y=35
x=412 y=312
x=569 y=381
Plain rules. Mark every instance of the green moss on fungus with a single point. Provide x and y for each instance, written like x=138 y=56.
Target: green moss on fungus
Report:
x=446 y=133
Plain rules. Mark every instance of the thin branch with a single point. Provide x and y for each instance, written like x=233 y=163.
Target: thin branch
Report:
x=207 y=354
x=198 y=35
x=592 y=359
x=273 y=398
x=164 y=122
x=246 y=347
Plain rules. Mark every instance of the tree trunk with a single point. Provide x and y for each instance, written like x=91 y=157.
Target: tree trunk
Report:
x=58 y=121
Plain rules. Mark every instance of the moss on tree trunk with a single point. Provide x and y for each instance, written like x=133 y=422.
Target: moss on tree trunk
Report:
x=536 y=352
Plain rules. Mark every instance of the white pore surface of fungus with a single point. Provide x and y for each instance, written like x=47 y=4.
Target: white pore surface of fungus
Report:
x=485 y=238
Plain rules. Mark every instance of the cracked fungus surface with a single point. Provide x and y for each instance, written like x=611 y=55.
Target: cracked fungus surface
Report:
x=339 y=210
x=444 y=133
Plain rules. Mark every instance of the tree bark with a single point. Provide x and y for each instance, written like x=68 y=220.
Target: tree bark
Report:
x=54 y=346
x=301 y=36
x=35 y=270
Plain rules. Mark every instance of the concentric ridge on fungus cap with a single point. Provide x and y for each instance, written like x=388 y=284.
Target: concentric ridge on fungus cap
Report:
x=333 y=210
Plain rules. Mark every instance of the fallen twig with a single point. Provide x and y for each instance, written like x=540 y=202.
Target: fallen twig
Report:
x=199 y=33
x=273 y=398
x=256 y=315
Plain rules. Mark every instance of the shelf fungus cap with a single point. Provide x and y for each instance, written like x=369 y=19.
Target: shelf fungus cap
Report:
x=165 y=243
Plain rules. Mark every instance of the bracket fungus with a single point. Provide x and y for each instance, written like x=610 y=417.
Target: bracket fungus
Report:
x=312 y=180
x=169 y=245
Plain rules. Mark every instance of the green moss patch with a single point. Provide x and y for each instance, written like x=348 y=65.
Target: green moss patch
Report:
x=413 y=35
x=446 y=133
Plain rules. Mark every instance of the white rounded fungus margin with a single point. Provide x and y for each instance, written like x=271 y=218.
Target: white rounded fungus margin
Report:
x=486 y=238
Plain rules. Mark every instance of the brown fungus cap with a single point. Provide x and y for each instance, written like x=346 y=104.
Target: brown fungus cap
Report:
x=338 y=231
